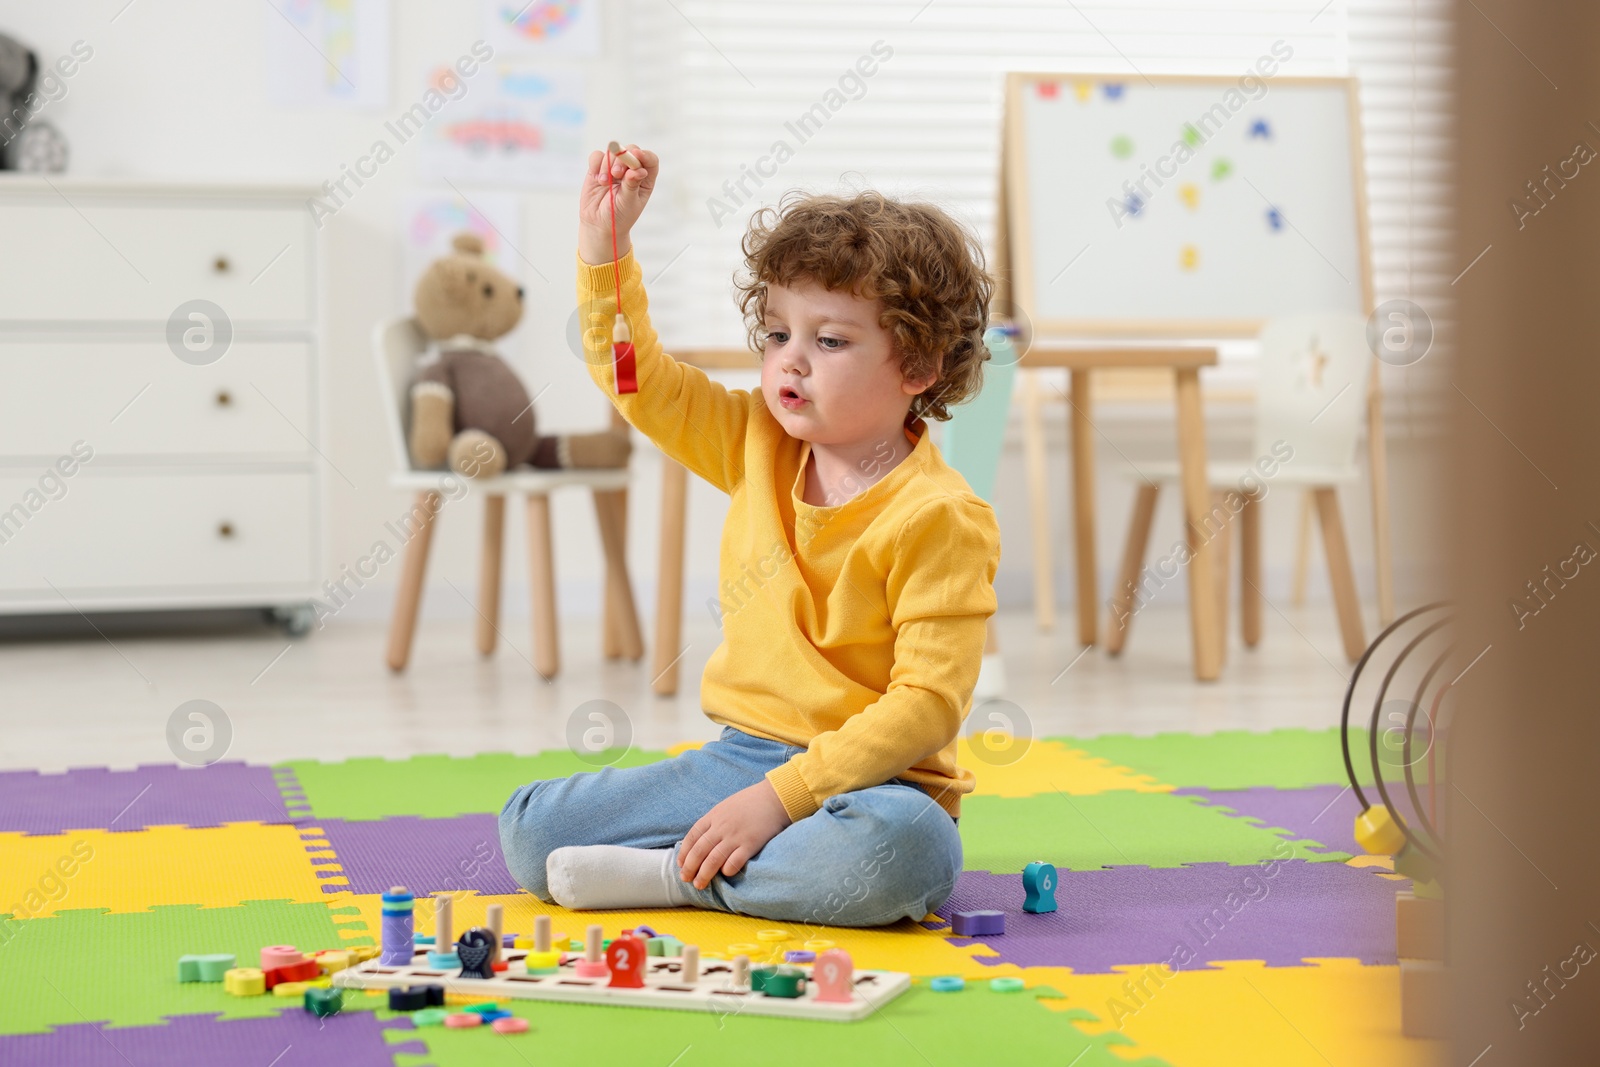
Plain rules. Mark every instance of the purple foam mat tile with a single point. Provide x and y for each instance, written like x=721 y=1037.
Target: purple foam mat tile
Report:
x=95 y=798
x=1138 y=915
x=297 y=1038
x=425 y=855
x=1325 y=814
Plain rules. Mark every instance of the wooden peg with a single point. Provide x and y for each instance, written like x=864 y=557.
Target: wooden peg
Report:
x=495 y=920
x=626 y=158
x=444 y=933
x=691 y=965
x=741 y=971
x=541 y=933
x=592 y=966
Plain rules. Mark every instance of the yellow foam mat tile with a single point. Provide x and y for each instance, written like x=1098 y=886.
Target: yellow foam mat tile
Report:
x=905 y=946
x=1380 y=863
x=1244 y=1014
x=1017 y=767
x=214 y=867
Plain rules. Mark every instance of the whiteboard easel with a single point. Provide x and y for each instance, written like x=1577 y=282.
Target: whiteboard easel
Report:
x=1265 y=215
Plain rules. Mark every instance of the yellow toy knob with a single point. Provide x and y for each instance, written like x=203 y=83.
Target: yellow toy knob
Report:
x=245 y=982
x=1378 y=833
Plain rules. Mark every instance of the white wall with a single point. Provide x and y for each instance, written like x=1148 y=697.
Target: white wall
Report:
x=176 y=89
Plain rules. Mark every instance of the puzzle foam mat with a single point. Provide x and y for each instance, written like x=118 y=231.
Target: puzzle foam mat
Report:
x=1211 y=911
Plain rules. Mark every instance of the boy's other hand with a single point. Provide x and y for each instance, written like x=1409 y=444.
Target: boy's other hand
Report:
x=633 y=188
x=728 y=835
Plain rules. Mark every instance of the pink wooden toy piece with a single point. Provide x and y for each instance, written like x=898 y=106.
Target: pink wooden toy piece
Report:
x=274 y=956
x=834 y=976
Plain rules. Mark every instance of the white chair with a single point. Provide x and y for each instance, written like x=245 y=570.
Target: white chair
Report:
x=1310 y=399
x=397 y=345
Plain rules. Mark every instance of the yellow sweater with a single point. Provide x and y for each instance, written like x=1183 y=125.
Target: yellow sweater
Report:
x=853 y=631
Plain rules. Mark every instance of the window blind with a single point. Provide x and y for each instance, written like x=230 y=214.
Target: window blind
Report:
x=724 y=89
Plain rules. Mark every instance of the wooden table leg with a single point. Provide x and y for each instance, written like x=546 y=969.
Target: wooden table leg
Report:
x=403 y=625
x=1083 y=507
x=669 y=588
x=1044 y=585
x=542 y=588
x=1196 y=494
x=494 y=535
x=1250 y=571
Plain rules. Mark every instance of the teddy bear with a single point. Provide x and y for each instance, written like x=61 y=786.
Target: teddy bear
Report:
x=469 y=409
x=28 y=143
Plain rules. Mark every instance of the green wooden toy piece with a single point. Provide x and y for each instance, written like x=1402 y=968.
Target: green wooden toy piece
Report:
x=324 y=1002
x=786 y=982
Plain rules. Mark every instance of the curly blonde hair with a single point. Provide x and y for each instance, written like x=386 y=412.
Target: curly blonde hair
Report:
x=925 y=270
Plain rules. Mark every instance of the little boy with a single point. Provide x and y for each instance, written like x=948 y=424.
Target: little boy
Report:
x=857 y=577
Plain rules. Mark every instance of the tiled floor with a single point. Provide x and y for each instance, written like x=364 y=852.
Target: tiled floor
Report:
x=99 y=701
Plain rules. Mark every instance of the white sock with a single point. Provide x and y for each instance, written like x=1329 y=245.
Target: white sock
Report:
x=584 y=877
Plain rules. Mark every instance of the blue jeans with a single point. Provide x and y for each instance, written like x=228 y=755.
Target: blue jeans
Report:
x=866 y=858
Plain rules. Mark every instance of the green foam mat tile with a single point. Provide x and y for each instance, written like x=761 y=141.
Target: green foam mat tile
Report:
x=964 y=1029
x=122 y=970
x=1234 y=759
x=434 y=787
x=1004 y=834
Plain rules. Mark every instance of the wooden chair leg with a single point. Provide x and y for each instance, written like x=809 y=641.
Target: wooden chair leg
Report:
x=1302 y=551
x=1120 y=619
x=610 y=620
x=1044 y=585
x=1082 y=430
x=637 y=639
x=494 y=536
x=669 y=587
x=1378 y=459
x=1250 y=571
x=403 y=625
x=542 y=588
x=1340 y=574
x=619 y=602
x=611 y=630
x=1192 y=460
x=1222 y=559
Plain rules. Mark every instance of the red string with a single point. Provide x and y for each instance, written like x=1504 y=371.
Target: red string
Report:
x=616 y=265
x=624 y=371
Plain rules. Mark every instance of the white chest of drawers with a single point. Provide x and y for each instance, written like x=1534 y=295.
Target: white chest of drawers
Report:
x=203 y=481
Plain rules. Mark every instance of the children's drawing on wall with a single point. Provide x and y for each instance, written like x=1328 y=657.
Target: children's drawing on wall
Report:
x=521 y=124
x=554 y=29
x=328 y=53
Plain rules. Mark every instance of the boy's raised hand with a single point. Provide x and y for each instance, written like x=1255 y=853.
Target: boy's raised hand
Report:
x=632 y=189
x=728 y=835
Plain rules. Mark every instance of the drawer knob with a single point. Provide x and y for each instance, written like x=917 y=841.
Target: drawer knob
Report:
x=221 y=265
x=225 y=530
x=224 y=398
